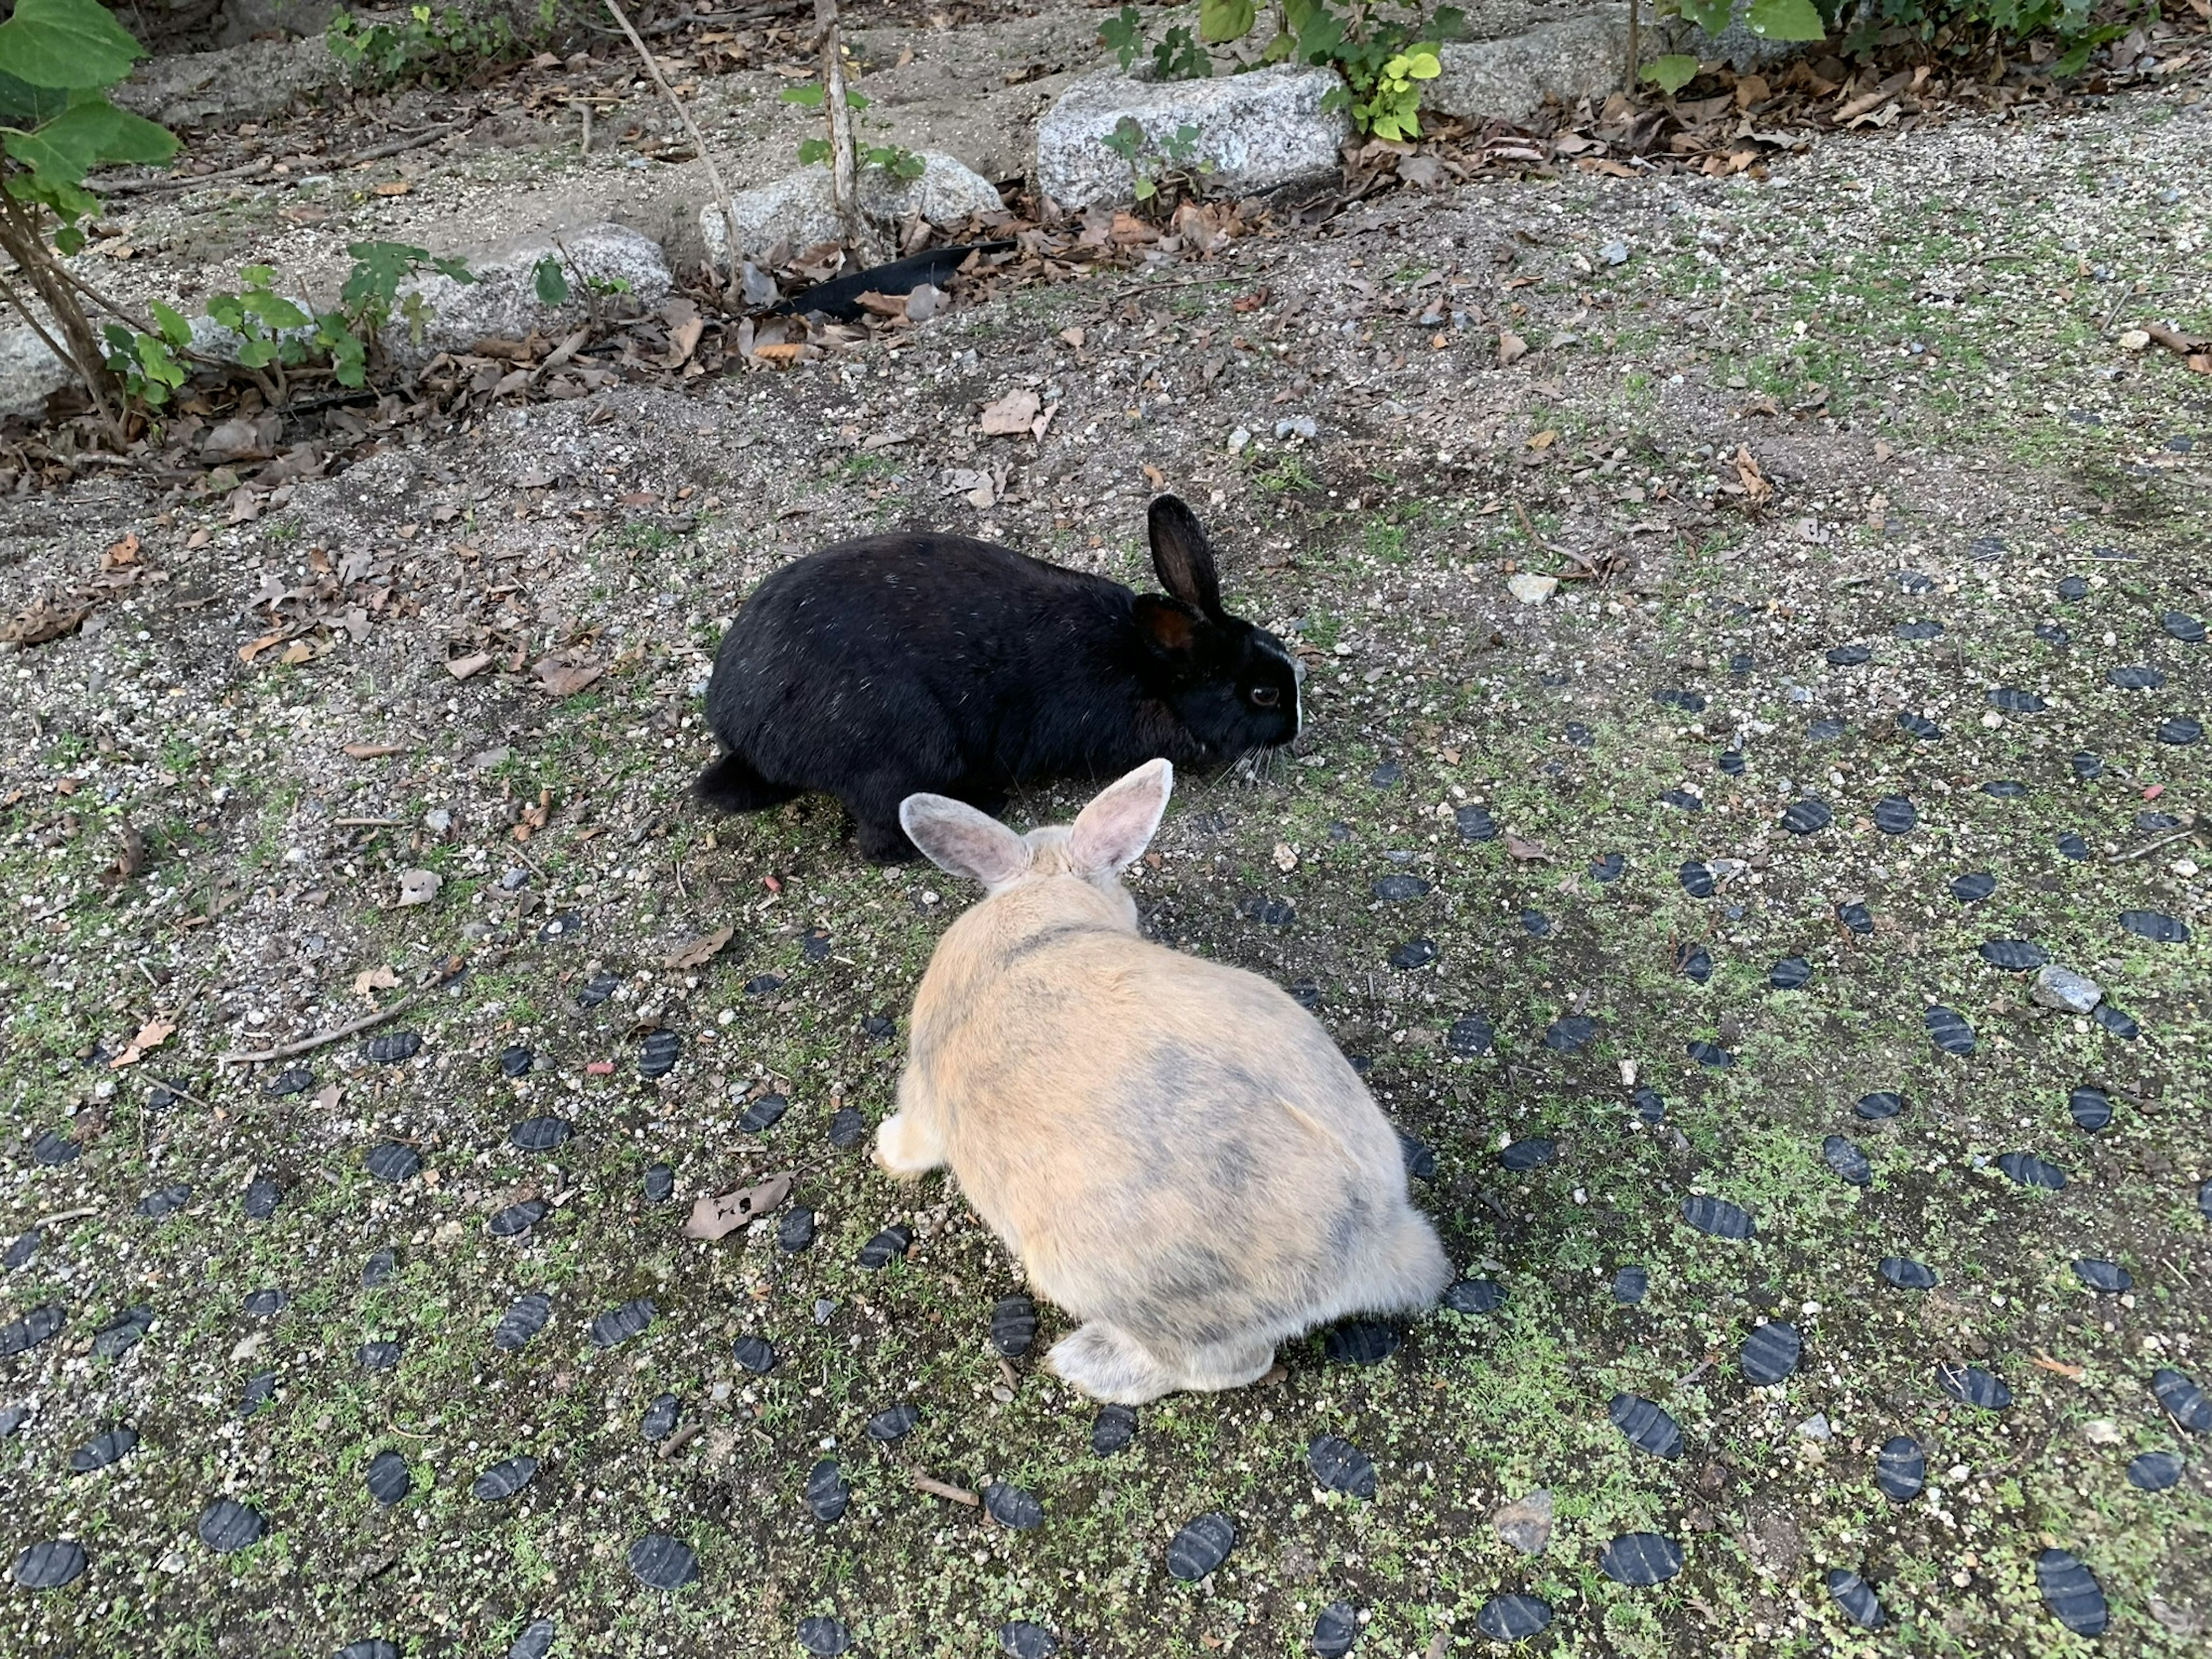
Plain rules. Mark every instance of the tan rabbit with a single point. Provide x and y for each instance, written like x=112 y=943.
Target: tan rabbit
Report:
x=1176 y=1150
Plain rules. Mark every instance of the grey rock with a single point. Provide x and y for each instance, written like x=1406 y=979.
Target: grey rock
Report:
x=1526 y=1523
x=2065 y=990
x=242 y=20
x=1258 y=130
x=237 y=83
x=1509 y=79
x=799 y=209
x=503 y=303
x=29 y=373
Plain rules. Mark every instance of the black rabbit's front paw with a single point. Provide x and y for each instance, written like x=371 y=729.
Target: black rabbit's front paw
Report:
x=884 y=843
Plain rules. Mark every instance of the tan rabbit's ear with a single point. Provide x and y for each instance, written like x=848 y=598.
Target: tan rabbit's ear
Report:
x=1108 y=835
x=962 y=841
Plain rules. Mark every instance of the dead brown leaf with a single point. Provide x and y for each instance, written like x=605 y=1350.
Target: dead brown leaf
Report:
x=696 y=953
x=565 y=679
x=394 y=187
x=372 y=750
x=461 y=667
x=131 y=860
x=1526 y=851
x=1511 y=347
x=151 y=1036
x=717 y=1217
x=1756 y=489
x=2071 y=1373
x=370 y=980
x=684 y=340
x=44 y=619
x=1011 y=416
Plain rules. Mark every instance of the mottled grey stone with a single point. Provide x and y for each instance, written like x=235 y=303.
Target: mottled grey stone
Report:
x=1259 y=130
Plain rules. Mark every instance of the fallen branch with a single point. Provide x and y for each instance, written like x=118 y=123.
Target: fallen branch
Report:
x=321 y=1039
x=706 y=156
x=937 y=1488
x=2188 y=831
x=79 y=1214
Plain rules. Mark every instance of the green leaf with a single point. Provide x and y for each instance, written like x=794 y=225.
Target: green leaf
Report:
x=1448 y=23
x=550 y=282
x=227 y=311
x=66 y=42
x=22 y=105
x=174 y=329
x=69 y=241
x=1710 y=16
x=855 y=100
x=1222 y=21
x=1672 y=73
x=258 y=354
x=1785 y=20
x=156 y=364
x=377 y=270
x=94 y=133
x=455 y=267
x=812 y=150
x=808 y=97
x=274 y=309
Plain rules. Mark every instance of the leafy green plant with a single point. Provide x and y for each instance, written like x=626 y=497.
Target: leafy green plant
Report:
x=1161 y=170
x=447 y=47
x=1384 y=62
x=894 y=159
x=1176 y=56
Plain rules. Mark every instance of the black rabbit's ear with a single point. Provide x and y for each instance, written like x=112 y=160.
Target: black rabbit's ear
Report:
x=1170 y=626
x=1182 y=557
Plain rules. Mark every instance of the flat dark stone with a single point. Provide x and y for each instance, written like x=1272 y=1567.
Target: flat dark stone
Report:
x=392 y=1163
x=2156 y=926
x=1690 y=702
x=2204 y=1200
x=1949 y=1031
x=264 y=1303
x=1973 y=1386
x=260 y=1389
x=390 y=1047
x=659 y=1182
x=2013 y=700
x=756 y=1354
x=1475 y=824
x=1650 y=1107
x=1388 y=775
x=1901 y=1468
x=1717 y=1216
x=2180 y=731
x=1882 y=1103
x=20 y=1335
x=1920 y=726
x=166 y=1202
x=1020 y=1639
x=1846 y=1160
x=827 y=1494
x=50 y=1151
x=1807 y=817
x=1610 y=868
x=823 y=1637
x=657 y=1055
x=1421 y=1160
x=1851 y=1593
x=1536 y=924
x=1396 y=890
x=1340 y=1465
x=661 y=1562
x=2088 y=764
x=2073 y=589
x=516 y=1061
x=2090 y=1108
x=879 y=1028
x=1013 y=1508
x=1112 y=1429
x=294 y=1080
x=1629 y=1285
x=1570 y=1032
x=1849 y=656
x=380 y=1356
x=847 y=1130
x=1907 y=1274
x=2115 y=1023
x=815 y=947
x=764 y=985
x=1336 y=1628
x=1645 y=1426
x=388 y=1477
x=1413 y=953
x=1476 y=1296
x=1360 y=1342
x=1894 y=815
x=1640 y=1559
x=566 y=926
x=21 y=1249
x=598 y=989
x=1202 y=1545
x=2071 y=846
x=1533 y=1153
x=369 y=1647
x=1826 y=729
x=2155 y=1471
x=618 y=1325
x=2070 y=1590
x=1470 y=1035
x=1013 y=1326
x=1696 y=879
x=522 y=1321
x=112 y=1447
x=263 y=1195
x=1711 y=1055
x=517 y=1219
x=660 y=1417
x=1512 y=1618
x=2136 y=677
x=379 y=1268
x=2017 y=956
x=1856 y=917
x=504 y=1480
x=1791 y=974
x=1973 y=888
x=2184 y=627
x=762 y=1114
x=13 y=1418
x=539 y=1134
x=886 y=1248
x=1731 y=762
x=2182 y=1400
x=226 y=1525
x=1685 y=800
x=1770 y=1352
x=2099 y=1274
x=49 y=1565
x=2005 y=789
x=1278 y=913
x=795 y=1232
x=2029 y=1171
x=124 y=1331
x=895 y=1422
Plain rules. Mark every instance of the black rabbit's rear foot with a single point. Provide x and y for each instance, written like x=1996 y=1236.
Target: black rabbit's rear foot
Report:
x=884 y=842
x=732 y=784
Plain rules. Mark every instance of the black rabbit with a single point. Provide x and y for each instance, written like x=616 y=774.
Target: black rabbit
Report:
x=896 y=664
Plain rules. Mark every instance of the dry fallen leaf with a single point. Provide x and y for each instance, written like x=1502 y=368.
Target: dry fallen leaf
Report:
x=696 y=953
x=684 y=340
x=461 y=667
x=2071 y=1373
x=1544 y=439
x=1511 y=347
x=394 y=187
x=419 y=886
x=1012 y=414
x=1756 y=487
x=564 y=679
x=132 y=858
x=713 y=1218
x=1527 y=852
x=370 y=980
x=372 y=750
x=151 y=1035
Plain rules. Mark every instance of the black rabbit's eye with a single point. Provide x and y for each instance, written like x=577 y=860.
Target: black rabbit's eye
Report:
x=1266 y=696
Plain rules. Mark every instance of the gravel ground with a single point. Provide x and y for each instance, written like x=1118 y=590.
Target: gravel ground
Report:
x=1881 y=510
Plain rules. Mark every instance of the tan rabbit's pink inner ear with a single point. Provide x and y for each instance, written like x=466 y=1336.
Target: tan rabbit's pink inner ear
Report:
x=962 y=841
x=1108 y=835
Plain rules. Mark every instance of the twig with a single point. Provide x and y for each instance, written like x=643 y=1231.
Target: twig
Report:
x=1697 y=1370
x=844 y=164
x=714 y=173
x=2192 y=828
x=79 y=1214
x=16 y=302
x=368 y=823
x=937 y=1488
x=172 y=181
x=321 y=1039
x=395 y=146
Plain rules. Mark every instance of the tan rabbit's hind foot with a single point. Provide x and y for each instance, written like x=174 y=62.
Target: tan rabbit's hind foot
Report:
x=905 y=1150
x=1108 y=1364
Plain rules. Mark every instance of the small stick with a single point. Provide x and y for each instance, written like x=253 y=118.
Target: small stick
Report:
x=714 y=173
x=285 y=1051
x=2145 y=851
x=937 y=1488
x=60 y=1216
x=844 y=166
x=368 y=823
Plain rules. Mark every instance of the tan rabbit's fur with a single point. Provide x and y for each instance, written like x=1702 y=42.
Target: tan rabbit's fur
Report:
x=1175 y=1149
